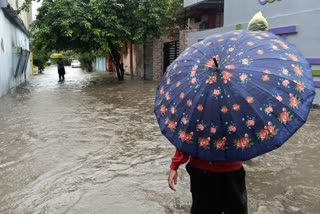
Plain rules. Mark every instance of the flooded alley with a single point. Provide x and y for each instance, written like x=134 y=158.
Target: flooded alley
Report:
x=92 y=145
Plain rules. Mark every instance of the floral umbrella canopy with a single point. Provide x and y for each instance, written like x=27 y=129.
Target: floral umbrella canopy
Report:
x=234 y=96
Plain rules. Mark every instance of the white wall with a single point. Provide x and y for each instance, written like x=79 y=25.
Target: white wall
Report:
x=187 y=3
x=26 y=17
x=10 y=37
x=237 y=12
x=99 y=64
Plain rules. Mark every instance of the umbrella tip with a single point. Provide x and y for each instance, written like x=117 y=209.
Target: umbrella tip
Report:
x=215 y=63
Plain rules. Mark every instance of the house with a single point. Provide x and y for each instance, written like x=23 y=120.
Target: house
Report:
x=198 y=16
x=131 y=57
x=14 y=45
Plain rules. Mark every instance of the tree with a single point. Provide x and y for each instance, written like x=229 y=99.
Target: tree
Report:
x=99 y=27
x=40 y=58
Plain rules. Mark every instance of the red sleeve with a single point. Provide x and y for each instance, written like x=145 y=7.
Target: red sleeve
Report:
x=178 y=159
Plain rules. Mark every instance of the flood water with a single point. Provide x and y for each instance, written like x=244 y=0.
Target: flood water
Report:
x=92 y=145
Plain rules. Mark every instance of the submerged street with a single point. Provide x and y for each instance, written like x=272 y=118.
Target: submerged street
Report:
x=92 y=145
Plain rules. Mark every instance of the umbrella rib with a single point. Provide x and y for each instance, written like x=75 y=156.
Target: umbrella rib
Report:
x=277 y=116
x=229 y=107
x=280 y=89
x=186 y=86
x=287 y=60
x=292 y=81
x=258 y=115
x=169 y=103
x=263 y=45
x=244 y=116
x=202 y=113
x=247 y=50
x=192 y=109
x=276 y=101
x=256 y=71
x=233 y=53
x=273 y=75
x=258 y=45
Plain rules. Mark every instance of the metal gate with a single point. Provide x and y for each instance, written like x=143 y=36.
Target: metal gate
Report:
x=170 y=53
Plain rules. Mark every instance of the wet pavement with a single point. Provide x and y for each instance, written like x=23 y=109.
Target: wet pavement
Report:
x=92 y=145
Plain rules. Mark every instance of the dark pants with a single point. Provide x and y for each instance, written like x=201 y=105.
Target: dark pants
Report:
x=61 y=72
x=61 y=76
x=214 y=193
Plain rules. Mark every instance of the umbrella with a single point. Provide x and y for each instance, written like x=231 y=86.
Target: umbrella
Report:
x=56 y=56
x=234 y=96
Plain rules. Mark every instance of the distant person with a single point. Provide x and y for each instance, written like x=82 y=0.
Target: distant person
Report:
x=61 y=70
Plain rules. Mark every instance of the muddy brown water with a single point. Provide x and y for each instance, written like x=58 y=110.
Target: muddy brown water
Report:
x=92 y=145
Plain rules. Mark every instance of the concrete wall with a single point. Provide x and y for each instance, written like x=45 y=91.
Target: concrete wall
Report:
x=187 y=3
x=25 y=16
x=126 y=60
x=157 y=65
x=11 y=38
x=241 y=11
x=281 y=13
x=138 y=60
x=196 y=25
x=136 y=50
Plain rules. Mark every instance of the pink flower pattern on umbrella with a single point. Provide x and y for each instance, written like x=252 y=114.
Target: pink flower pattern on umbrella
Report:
x=243 y=142
x=294 y=101
x=226 y=76
x=212 y=79
x=220 y=144
x=204 y=142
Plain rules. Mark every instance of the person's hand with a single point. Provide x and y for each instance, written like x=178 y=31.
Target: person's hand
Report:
x=172 y=179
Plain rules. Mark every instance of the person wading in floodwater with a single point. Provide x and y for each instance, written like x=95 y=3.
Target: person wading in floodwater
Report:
x=61 y=70
x=216 y=187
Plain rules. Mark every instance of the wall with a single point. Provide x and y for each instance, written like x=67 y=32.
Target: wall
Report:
x=187 y=3
x=183 y=40
x=196 y=25
x=280 y=13
x=158 y=53
x=138 y=60
x=157 y=66
x=11 y=37
x=235 y=15
x=26 y=17
x=99 y=64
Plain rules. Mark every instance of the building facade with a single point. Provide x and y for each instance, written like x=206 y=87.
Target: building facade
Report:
x=293 y=20
x=132 y=57
x=26 y=17
x=14 y=46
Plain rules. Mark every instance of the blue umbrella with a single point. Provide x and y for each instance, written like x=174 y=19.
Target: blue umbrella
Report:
x=234 y=96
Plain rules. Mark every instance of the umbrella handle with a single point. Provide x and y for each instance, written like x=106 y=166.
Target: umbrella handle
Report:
x=215 y=62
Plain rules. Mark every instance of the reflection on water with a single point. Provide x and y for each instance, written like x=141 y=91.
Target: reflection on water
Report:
x=92 y=145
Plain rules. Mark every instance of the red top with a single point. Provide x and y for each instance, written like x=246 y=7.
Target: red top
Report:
x=181 y=158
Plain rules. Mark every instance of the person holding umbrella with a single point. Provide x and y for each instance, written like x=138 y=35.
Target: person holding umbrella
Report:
x=61 y=69
x=226 y=100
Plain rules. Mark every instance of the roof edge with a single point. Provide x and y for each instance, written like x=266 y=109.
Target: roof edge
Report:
x=12 y=15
